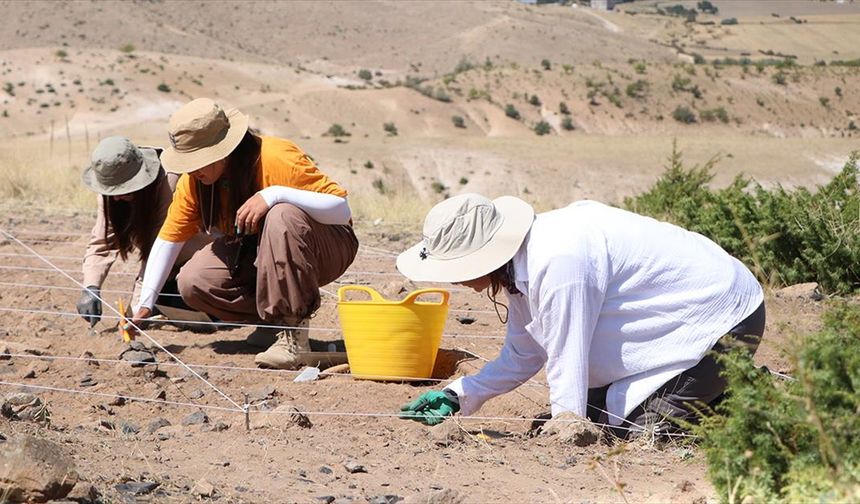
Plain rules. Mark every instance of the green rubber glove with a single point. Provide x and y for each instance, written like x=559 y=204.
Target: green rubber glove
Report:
x=430 y=408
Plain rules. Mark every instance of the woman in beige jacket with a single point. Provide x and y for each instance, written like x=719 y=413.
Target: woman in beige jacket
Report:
x=134 y=195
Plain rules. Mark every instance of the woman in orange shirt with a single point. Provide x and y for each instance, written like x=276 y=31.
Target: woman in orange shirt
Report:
x=283 y=229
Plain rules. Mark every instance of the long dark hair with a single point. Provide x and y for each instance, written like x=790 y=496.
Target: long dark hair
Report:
x=132 y=221
x=239 y=178
x=503 y=277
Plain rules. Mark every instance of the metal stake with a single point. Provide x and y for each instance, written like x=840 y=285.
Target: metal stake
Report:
x=247 y=408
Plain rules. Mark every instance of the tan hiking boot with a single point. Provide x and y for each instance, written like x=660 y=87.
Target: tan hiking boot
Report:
x=264 y=337
x=291 y=350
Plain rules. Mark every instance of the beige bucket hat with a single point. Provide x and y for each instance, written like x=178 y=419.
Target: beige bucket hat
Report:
x=119 y=167
x=466 y=237
x=201 y=132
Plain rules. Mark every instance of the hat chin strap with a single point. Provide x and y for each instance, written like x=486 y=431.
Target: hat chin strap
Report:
x=496 y=305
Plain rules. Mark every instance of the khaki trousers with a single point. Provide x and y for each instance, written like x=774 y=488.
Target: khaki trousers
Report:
x=277 y=282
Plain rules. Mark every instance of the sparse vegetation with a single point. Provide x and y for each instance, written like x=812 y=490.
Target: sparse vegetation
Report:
x=780 y=78
x=729 y=21
x=637 y=89
x=379 y=185
x=463 y=181
x=562 y=109
x=791 y=440
x=512 y=112
x=127 y=48
x=545 y=63
x=534 y=100
x=567 y=124
x=368 y=164
x=683 y=114
x=458 y=121
x=62 y=54
x=542 y=128
x=337 y=131
x=824 y=101
x=390 y=128
x=365 y=74
x=715 y=114
x=786 y=237
x=438 y=187
x=708 y=7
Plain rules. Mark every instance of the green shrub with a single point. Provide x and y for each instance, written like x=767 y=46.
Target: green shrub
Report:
x=567 y=124
x=706 y=6
x=684 y=115
x=61 y=54
x=640 y=67
x=546 y=64
x=637 y=89
x=390 y=128
x=715 y=114
x=438 y=187
x=164 y=88
x=824 y=101
x=458 y=121
x=785 y=237
x=837 y=91
x=127 y=48
x=512 y=112
x=442 y=95
x=337 y=131
x=780 y=78
x=9 y=88
x=729 y=21
x=368 y=164
x=542 y=128
x=534 y=100
x=365 y=74
x=379 y=185
x=852 y=126
x=464 y=181
x=562 y=109
x=792 y=440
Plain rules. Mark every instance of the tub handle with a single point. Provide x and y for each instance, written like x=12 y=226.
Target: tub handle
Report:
x=412 y=297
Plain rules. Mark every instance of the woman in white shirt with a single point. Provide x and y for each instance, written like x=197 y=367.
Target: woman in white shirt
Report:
x=623 y=310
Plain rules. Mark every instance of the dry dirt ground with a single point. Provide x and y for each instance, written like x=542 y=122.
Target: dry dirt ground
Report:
x=278 y=461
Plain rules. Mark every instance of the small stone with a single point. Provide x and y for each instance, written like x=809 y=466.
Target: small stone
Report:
x=25 y=407
x=35 y=470
x=204 y=489
x=137 y=359
x=262 y=393
x=293 y=416
x=106 y=424
x=127 y=427
x=87 y=380
x=84 y=493
x=442 y=496
x=162 y=436
x=117 y=401
x=220 y=426
x=157 y=424
x=386 y=499
x=685 y=486
x=326 y=469
x=326 y=499
x=136 y=487
x=446 y=434
x=807 y=290
x=154 y=391
x=354 y=467
x=568 y=427
x=89 y=358
x=196 y=394
x=241 y=489
x=196 y=418
x=466 y=320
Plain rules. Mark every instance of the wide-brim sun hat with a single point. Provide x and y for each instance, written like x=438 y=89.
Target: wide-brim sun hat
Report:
x=200 y=133
x=466 y=237
x=118 y=167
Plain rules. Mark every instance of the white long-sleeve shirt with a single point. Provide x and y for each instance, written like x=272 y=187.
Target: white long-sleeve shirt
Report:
x=613 y=298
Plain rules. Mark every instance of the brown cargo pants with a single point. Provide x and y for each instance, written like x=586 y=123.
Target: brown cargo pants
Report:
x=276 y=281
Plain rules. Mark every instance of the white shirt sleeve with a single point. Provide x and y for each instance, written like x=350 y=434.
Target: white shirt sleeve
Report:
x=323 y=208
x=567 y=317
x=520 y=359
x=161 y=258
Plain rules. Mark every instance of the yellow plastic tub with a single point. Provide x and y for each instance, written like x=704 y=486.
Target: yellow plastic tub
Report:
x=392 y=340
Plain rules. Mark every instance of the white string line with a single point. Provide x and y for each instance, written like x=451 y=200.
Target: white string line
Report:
x=228 y=324
x=66 y=272
x=316 y=413
x=229 y=368
x=141 y=331
x=124 y=396
x=28 y=256
x=170 y=294
x=47 y=233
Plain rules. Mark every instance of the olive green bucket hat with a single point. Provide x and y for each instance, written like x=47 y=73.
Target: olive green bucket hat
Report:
x=119 y=167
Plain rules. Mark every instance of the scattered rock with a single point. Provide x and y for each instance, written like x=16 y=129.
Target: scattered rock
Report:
x=154 y=391
x=12 y=347
x=25 y=407
x=29 y=374
x=446 y=434
x=137 y=354
x=127 y=427
x=466 y=320
x=136 y=487
x=386 y=499
x=196 y=394
x=570 y=428
x=801 y=291
x=395 y=289
x=87 y=380
x=263 y=393
x=216 y=427
x=196 y=418
x=157 y=424
x=35 y=470
x=89 y=355
x=84 y=493
x=326 y=499
x=117 y=401
x=354 y=467
x=293 y=416
x=106 y=424
x=326 y=469
x=163 y=436
x=204 y=489
x=443 y=496
x=685 y=486
x=35 y=369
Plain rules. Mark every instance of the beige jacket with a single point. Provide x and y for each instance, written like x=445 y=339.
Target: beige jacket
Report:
x=99 y=257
